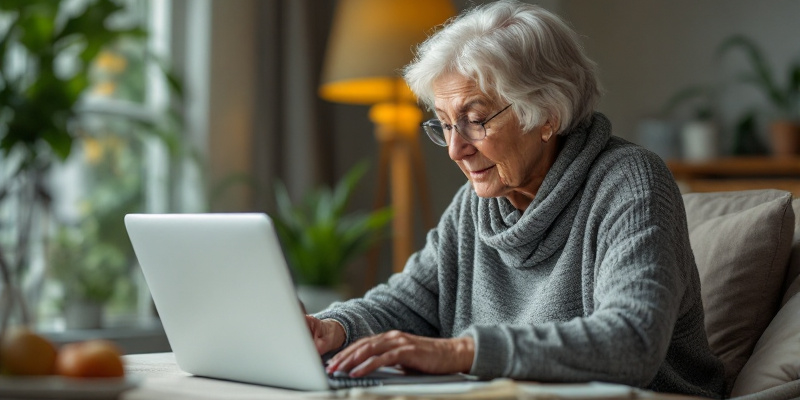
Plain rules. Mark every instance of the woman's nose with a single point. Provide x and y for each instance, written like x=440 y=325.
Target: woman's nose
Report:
x=458 y=147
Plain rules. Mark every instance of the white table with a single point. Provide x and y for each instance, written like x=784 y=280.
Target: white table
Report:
x=160 y=378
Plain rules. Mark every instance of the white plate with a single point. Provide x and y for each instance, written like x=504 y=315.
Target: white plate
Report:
x=51 y=387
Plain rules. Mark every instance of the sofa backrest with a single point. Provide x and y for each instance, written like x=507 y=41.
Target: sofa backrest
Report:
x=741 y=242
x=792 y=285
x=774 y=365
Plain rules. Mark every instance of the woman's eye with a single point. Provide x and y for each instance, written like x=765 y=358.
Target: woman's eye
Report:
x=476 y=119
x=447 y=127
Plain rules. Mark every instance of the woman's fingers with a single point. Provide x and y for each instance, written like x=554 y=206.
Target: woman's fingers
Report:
x=392 y=357
x=436 y=356
x=391 y=348
x=360 y=351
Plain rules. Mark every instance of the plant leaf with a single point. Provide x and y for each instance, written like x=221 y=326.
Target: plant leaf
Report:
x=60 y=142
x=318 y=238
x=763 y=76
x=38 y=22
x=346 y=186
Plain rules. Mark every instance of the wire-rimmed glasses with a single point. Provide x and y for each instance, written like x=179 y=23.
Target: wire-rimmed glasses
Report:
x=469 y=130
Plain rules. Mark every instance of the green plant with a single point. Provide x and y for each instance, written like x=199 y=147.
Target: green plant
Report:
x=702 y=99
x=89 y=257
x=784 y=97
x=87 y=268
x=45 y=56
x=318 y=237
x=50 y=54
x=40 y=93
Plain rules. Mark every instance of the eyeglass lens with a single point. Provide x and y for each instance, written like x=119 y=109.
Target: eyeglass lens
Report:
x=470 y=131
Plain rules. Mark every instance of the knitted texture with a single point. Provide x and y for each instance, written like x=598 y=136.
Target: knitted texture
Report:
x=595 y=281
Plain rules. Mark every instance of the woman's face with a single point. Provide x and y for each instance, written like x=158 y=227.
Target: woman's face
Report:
x=507 y=162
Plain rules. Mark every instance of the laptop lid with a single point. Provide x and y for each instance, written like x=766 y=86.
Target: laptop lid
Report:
x=226 y=300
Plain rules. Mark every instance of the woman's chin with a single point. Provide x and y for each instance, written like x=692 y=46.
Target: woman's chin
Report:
x=484 y=190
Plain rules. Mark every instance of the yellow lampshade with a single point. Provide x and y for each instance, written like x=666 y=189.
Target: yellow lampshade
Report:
x=370 y=41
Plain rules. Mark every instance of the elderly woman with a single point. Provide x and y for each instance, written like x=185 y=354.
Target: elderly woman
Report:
x=566 y=256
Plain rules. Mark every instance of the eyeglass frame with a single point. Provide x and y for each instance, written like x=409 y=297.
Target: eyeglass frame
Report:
x=430 y=127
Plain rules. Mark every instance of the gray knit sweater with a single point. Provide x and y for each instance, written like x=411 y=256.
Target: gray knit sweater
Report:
x=595 y=281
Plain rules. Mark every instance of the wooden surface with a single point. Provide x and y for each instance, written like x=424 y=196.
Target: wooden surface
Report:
x=160 y=378
x=739 y=173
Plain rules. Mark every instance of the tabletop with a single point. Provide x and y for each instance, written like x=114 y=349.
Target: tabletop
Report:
x=158 y=377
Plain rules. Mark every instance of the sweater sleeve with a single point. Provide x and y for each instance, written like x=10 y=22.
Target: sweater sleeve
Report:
x=409 y=301
x=636 y=286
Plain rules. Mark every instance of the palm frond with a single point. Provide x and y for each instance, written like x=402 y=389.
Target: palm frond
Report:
x=761 y=75
x=317 y=234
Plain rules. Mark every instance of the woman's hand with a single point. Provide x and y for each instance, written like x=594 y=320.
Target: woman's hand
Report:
x=327 y=334
x=433 y=356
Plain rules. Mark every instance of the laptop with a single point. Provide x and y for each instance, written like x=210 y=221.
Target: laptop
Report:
x=226 y=299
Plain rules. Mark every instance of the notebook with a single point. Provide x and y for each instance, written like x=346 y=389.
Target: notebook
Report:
x=221 y=286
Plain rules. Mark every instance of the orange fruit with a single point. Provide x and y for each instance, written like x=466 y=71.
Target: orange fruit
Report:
x=90 y=359
x=23 y=352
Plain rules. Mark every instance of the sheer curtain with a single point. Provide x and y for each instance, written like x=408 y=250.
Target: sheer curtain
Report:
x=251 y=69
x=290 y=140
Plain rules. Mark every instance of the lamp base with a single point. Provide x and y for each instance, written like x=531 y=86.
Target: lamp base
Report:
x=400 y=168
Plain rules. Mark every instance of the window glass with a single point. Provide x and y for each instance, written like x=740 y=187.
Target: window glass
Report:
x=125 y=139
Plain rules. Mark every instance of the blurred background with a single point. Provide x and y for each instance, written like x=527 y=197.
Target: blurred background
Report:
x=210 y=105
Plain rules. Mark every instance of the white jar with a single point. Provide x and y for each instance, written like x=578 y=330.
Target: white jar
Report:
x=700 y=140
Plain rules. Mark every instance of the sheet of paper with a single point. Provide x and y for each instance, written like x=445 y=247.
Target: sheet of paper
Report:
x=592 y=390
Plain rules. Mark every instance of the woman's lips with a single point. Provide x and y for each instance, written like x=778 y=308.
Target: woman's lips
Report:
x=479 y=174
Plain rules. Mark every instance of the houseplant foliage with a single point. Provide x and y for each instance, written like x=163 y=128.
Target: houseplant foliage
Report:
x=699 y=135
x=92 y=258
x=88 y=268
x=39 y=99
x=318 y=235
x=783 y=96
x=46 y=51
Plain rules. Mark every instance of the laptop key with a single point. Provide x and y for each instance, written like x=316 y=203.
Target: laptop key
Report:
x=344 y=383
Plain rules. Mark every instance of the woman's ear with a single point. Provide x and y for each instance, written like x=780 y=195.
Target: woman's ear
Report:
x=549 y=129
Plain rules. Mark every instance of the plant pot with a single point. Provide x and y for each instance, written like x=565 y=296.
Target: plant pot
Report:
x=316 y=298
x=785 y=138
x=700 y=140
x=83 y=314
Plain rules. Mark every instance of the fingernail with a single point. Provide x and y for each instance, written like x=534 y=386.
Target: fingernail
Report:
x=356 y=372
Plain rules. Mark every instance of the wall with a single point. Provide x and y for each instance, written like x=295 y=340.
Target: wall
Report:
x=233 y=70
x=648 y=50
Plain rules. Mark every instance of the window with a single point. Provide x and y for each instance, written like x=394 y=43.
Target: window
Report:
x=129 y=139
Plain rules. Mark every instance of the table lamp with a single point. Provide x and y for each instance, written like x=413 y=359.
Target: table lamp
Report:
x=370 y=42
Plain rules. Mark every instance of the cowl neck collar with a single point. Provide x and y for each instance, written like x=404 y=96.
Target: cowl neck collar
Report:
x=525 y=239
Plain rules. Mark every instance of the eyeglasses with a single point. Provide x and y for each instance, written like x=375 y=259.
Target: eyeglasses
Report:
x=469 y=130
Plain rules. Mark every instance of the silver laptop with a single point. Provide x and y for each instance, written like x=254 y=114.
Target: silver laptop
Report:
x=226 y=300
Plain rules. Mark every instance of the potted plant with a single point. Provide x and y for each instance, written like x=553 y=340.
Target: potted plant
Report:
x=320 y=238
x=48 y=53
x=88 y=270
x=699 y=135
x=784 y=97
x=45 y=57
x=91 y=260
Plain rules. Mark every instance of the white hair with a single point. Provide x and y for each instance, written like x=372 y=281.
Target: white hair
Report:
x=519 y=52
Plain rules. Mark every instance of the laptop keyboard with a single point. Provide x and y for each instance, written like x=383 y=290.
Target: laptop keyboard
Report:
x=341 y=380
x=345 y=383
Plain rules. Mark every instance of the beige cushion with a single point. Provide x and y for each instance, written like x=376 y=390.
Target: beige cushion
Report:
x=792 y=285
x=793 y=288
x=776 y=357
x=741 y=242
